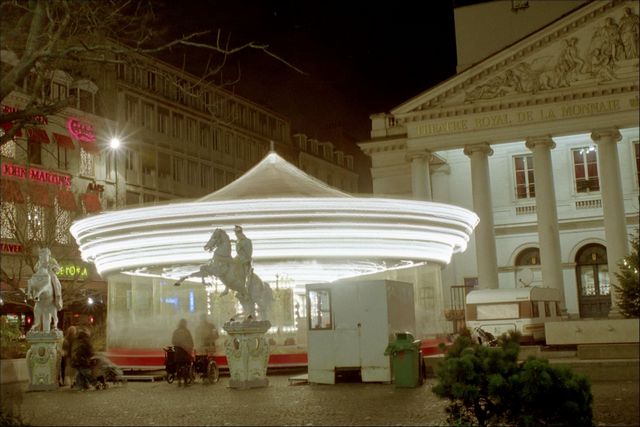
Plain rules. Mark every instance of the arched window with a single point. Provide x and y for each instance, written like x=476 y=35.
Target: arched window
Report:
x=592 y=274
x=527 y=267
x=529 y=256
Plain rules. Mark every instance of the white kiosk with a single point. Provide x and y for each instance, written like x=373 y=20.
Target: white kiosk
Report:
x=350 y=325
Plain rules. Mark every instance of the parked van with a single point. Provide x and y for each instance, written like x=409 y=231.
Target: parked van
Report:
x=521 y=309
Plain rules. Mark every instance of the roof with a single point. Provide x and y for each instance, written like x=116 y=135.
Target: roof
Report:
x=534 y=293
x=274 y=177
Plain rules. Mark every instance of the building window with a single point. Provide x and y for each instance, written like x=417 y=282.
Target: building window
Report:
x=130 y=163
x=470 y=282
x=525 y=183
x=178 y=124
x=35 y=222
x=216 y=139
x=8 y=149
x=585 y=164
x=218 y=178
x=58 y=91
x=192 y=173
x=205 y=136
x=205 y=176
x=151 y=80
x=147 y=115
x=592 y=272
x=163 y=120
x=319 y=309
x=131 y=110
x=85 y=101
x=349 y=161
x=63 y=222
x=178 y=169
x=7 y=220
x=34 y=152
x=109 y=165
x=191 y=130
x=529 y=256
x=133 y=198
x=63 y=158
x=86 y=163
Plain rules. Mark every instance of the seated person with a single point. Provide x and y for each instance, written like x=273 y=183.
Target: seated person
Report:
x=183 y=343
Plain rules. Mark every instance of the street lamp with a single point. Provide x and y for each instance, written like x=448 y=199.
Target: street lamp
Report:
x=114 y=144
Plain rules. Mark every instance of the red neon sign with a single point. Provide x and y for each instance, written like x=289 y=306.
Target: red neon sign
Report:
x=80 y=130
x=34 y=174
x=8 y=109
x=11 y=248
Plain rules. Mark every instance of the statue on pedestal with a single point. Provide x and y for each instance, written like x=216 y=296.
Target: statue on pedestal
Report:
x=255 y=296
x=44 y=355
x=45 y=289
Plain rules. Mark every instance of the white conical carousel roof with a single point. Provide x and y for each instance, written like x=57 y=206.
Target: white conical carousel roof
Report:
x=274 y=177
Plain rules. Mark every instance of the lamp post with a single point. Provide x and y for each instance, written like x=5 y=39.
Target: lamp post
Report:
x=114 y=144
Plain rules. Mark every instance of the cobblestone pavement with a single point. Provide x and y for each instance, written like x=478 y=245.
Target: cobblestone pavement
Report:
x=159 y=403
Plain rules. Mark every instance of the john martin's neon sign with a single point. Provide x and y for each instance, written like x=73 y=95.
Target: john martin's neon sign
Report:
x=80 y=130
x=18 y=171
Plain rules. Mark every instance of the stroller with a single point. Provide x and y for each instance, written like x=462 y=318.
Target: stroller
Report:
x=104 y=371
x=183 y=366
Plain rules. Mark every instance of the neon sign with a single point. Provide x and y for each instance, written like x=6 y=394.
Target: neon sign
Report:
x=38 y=118
x=33 y=174
x=72 y=271
x=80 y=130
x=10 y=248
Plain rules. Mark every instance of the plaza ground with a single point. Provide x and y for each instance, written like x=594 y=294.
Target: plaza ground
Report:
x=281 y=403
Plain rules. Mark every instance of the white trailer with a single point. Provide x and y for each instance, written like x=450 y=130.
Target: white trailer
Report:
x=350 y=324
x=521 y=309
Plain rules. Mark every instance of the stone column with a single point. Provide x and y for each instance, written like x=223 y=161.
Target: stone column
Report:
x=484 y=233
x=615 y=225
x=420 y=175
x=546 y=210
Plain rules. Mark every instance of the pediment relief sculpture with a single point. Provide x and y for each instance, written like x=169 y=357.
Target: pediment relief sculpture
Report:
x=598 y=48
x=612 y=45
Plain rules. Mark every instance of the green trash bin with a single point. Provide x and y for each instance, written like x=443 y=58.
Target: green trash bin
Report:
x=406 y=360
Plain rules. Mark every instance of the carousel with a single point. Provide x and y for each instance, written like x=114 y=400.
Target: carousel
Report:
x=302 y=231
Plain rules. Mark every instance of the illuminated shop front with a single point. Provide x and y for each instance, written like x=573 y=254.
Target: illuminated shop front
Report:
x=302 y=230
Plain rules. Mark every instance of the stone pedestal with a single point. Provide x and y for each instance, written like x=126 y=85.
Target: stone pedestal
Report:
x=247 y=353
x=43 y=359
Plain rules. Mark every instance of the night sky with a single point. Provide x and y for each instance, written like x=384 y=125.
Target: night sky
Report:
x=359 y=57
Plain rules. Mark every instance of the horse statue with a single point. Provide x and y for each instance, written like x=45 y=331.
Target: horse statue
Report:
x=44 y=288
x=249 y=289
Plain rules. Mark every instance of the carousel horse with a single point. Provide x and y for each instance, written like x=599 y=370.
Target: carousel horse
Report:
x=250 y=290
x=41 y=288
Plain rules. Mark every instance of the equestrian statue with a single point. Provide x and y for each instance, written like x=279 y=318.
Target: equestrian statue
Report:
x=45 y=289
x=236 y=274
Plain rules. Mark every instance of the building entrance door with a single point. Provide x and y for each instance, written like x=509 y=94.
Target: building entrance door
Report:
x=592 y=273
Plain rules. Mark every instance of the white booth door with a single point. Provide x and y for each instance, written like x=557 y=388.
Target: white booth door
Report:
x=347 y=318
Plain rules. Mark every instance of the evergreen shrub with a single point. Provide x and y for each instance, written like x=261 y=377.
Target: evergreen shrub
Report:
x=488 y=386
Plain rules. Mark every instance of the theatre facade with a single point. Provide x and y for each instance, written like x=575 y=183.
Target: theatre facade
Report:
x=540 y=140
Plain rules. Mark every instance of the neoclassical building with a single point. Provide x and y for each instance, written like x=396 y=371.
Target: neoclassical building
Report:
x=540 y=139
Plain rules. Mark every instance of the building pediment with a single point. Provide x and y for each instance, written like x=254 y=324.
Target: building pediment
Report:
x=589 y=53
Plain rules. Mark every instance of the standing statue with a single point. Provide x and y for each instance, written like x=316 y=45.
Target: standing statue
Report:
x=45 y=289
x=244 y=252
x=236 y=273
